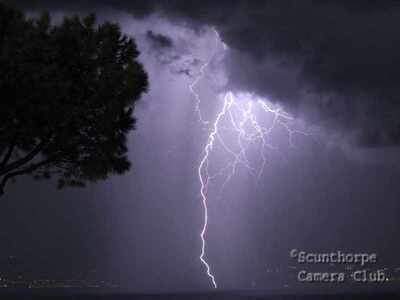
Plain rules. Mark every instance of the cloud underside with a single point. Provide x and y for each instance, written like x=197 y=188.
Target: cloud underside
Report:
x=335 y=62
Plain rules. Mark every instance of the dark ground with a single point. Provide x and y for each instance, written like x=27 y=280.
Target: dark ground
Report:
x=92 y=295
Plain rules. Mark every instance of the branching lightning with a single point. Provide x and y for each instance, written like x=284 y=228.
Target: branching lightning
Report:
x=204 y=183
x=239 y=115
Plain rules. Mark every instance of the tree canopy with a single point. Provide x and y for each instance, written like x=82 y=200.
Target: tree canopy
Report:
x=67 y=95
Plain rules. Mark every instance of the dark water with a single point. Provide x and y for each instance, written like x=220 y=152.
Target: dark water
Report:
x=92 y=295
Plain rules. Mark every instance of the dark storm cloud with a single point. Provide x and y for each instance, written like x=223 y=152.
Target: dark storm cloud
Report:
x=162 y=47
x=159 y=40
x=334 y=61
x=172 y=54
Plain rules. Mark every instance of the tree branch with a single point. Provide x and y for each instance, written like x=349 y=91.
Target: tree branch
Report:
x=25 y=159
x=24 y=171
x=9 y=152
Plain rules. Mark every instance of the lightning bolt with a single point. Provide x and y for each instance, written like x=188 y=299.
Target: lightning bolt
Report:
x=200 y=76
x=204 y=183
x=238 y=115
x=196 y=95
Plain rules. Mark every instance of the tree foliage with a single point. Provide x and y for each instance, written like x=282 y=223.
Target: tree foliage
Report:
x=67 y=96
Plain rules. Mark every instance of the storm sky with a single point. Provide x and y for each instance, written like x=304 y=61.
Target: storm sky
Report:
x=333 y=65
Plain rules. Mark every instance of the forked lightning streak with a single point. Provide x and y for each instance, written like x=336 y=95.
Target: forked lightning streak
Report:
x=238 y=117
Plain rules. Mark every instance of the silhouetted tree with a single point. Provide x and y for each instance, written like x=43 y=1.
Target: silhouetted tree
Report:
x=67 y=93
